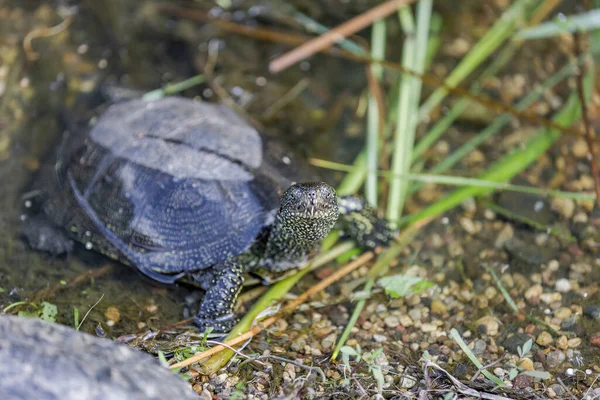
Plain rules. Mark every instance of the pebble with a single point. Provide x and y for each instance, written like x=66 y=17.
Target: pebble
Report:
x=544 y=339
x=415 y=314
x=391 y=321
x=534 y=293
x=113 y=314
x=504 y=235
x=490 y=324
x=405 y=321
x=479 y=347
x=329 y=341
x=554 y=358
x=565 y=207
x=427 y=327
x=514 y=341
x=592 y=311
x=569 y=323
x=574 y=342
x=379 y=338
x=551 y=297
x=562 y=342
x=438 y=307
x=220 y=379
x=526 y=364
x=580 y=148
x=563 y=313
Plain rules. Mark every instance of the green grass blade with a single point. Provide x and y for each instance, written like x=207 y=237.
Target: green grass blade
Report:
x=377 y=52
x=500 y=32
x=587 y=21
x=501 y=121
x=510 y=165
x=413 y=57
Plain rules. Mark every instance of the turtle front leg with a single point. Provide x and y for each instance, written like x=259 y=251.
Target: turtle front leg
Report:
x=361 y=223
x=217 y=306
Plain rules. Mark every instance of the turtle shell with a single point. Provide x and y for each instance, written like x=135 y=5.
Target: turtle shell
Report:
x=172 y=185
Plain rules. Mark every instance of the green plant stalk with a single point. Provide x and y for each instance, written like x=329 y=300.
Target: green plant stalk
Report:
x=501 y=121
x=413 y=57
x=272 y=296
x=378 y=40
x=456 y=336
x=444 y=123
x=500 y=32
x=356 y=176
x=434 y=38
x=174 y=88
x=510 y=165
x=380 y=267
x=465 y=181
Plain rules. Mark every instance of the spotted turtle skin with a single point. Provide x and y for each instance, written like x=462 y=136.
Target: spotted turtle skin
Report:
x=177 y=187
x=46 y=361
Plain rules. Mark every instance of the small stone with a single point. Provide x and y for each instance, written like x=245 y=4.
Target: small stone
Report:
x=533 y=293
x=563 y=313
x=555 y=358
x=580 y=148
x=220 y=379
x=151 y=308
x=415 y=314
x=290 y=370
x=562 y=342
x=427 y=327
x=438 y=307
x=563 y=285
x=515 y=341
x=407 y=381
x=522 y=381
x=565 y=207
x=490 y=324
x=544 y=339
x=113 y=314
x=379 y=338
x=405 y=321
x=557 y=389
x=569 y=323
x=549 y=298
x=391 y=321
x=504 y=235
x=299 y=343
x=479 y=347
x=592 y=311
x=526 y=364
x=574 y=342
x=329 y=341
x=499 y=372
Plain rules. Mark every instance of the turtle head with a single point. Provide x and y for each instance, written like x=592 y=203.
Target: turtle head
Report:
x=308 y=212
x=310 y=201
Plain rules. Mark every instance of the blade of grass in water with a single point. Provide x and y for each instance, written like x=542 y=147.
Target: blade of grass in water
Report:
x=498 y=33
x=377 y=52
x=454 y=180
x=584 y=22
x=174 y=88
x=501 y=121
x=413 y=57
x=510 y=165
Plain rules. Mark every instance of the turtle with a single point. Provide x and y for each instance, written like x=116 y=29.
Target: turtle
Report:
x=47 y=361
x=183 y=188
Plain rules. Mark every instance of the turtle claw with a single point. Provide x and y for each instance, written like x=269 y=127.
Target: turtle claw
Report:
x=222 y=324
